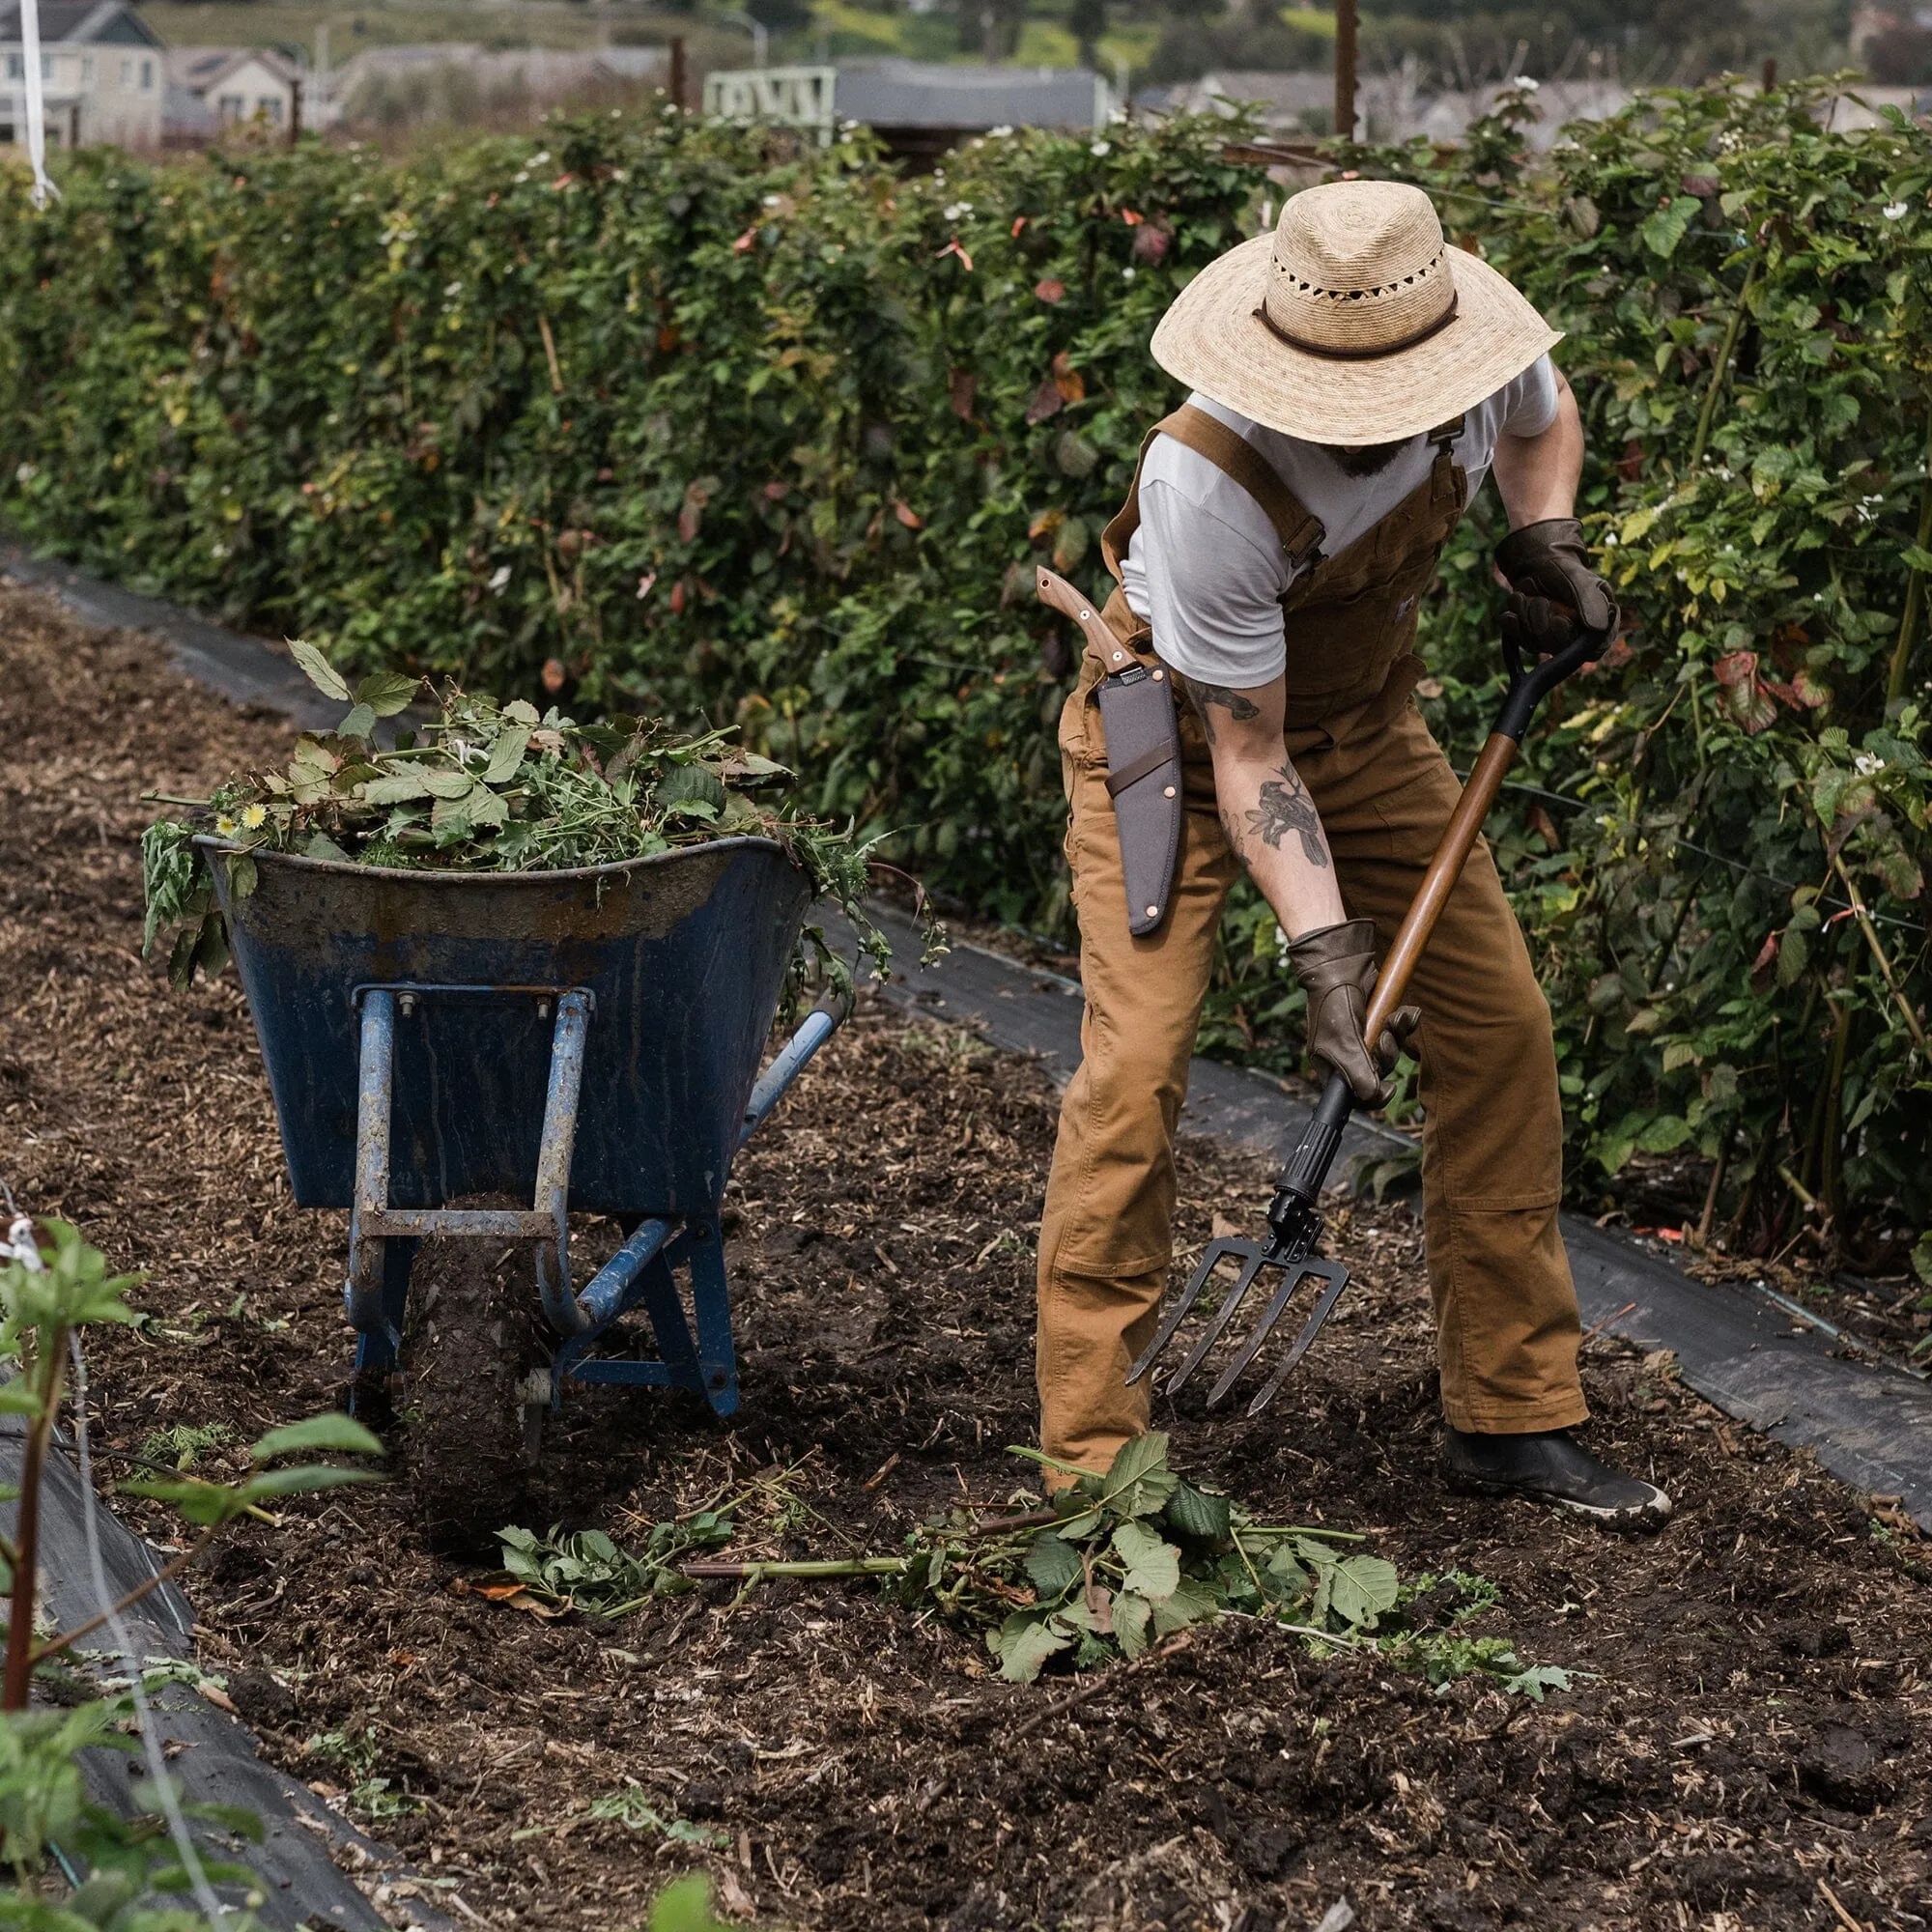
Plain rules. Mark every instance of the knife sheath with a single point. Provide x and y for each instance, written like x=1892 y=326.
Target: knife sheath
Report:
x=1144 y=781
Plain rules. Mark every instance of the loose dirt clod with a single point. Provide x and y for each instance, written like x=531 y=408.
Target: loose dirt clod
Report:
x=839 y=1763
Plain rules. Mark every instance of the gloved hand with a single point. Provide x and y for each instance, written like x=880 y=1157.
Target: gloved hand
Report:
x=1336 y=965
x=1547 y=567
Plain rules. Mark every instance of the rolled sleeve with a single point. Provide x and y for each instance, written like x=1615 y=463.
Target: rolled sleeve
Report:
x=1213 y=593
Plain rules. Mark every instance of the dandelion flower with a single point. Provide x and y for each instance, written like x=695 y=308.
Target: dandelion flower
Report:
x=225 y=825
x=254 y=817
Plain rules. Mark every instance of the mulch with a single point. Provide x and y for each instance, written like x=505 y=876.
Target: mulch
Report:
x=1748 y=1750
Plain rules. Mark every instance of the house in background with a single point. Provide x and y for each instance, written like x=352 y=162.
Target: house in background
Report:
x=100 y=74
x=920 y=109
x=211 y=88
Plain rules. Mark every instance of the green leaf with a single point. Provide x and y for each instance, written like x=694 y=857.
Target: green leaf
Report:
x=1153 y=1564
x=1533 y=1683
x=1025 y=1641
x=1131 y=1616
x=1192 y=1602
x=318 y=670
x=332 y=1430
x=507 y=754
x=302 y=1478
x=444 y=785
x=395 y=789
x=691 y=784
x=385 y=693
x=16 y=1397
x=358 y=724
x=1664 y=229
x=1193 y=1512
x=1363 y=1589
x=1053 y=1564
x=1138 y=1482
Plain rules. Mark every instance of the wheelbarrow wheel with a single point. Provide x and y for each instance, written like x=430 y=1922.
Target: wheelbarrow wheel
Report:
x=472 y=1356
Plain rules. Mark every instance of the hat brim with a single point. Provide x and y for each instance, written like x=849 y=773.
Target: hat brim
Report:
x=1211 y=339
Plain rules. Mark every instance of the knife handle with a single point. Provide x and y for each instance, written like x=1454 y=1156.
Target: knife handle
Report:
x=1057 y=594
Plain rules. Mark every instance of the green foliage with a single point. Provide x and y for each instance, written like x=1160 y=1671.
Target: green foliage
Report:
x=1138 y=1554
x=685 y=1906
x=705 y=422
x=480 y=787
x=132 y=1863
x=585 y=1570
x=211 y=1504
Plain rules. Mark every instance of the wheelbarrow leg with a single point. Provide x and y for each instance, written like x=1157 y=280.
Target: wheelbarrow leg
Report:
x=658 y=1291
x=363 y=1293
x=375 y=1354
x=711 y=1294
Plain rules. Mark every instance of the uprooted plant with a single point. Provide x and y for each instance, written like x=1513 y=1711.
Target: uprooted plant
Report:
x=481 y=786
x=1114 y=1565
x=53 y=1284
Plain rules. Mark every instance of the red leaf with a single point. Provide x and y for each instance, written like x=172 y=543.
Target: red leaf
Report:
x=1150 y=244
x=1767 y=953
x=775 y=491
x=1132 y=219
x=645 y=583
x=1047 y=401
x=906 y=514
x=553 y=676
x=1051 y=290
x=678 y=598
x=1071 y=384
x=1738 y=668
x=1018 y=224
x=747 y=240
x=953 y=247
x=1615 y=656
x=959 y=386
x=666 y=339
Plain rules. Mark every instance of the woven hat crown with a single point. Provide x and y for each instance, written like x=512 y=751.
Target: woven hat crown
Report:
x=1358 y=269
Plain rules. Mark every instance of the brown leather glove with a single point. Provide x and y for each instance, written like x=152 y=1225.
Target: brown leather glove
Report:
x=1336 y=965
x=1551 y=576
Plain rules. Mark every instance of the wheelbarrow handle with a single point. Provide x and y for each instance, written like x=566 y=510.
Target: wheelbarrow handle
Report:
x=1306 y=1172
x=813 y=1030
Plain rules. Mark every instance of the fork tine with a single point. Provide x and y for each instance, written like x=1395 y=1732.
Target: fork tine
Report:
x=1336 y=1278
x=1253 y=1255
x=1292 y=1275
x=1217 y=1252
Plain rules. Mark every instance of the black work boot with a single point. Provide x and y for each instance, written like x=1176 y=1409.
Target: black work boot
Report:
x=1549 y=1466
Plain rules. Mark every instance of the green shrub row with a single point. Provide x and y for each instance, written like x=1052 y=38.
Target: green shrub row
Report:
x=684 y=417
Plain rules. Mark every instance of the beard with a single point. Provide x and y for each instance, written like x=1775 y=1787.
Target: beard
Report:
x=1367 y=459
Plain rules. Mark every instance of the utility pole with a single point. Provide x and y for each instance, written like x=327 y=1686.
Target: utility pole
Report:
x=677 y=72
x=295 y=110
x=1345 y=69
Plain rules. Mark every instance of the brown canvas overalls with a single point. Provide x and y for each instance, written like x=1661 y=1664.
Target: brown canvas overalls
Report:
x=1493 y=1138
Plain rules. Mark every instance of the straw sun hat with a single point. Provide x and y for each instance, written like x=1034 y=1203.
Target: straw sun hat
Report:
x=1352 y=323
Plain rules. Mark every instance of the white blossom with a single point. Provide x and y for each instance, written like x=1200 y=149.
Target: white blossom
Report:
x=955 y=209
x=1000 y=133
x=1893 y=211
x=498 y=577
x=1866 y=763
x=1100 y=148
x=19 y=1245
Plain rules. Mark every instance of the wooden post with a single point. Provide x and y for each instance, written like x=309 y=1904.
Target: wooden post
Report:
x=677 y=73
x=74 y=125
x=295 y=110
x=1345 y=69
x=1769 y=72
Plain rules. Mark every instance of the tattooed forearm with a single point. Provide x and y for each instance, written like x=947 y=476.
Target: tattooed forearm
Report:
x=1231 y=830
x=1237 y=704
x=1285 y=807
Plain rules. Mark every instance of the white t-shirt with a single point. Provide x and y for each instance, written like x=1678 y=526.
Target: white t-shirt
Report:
x=1207 y=569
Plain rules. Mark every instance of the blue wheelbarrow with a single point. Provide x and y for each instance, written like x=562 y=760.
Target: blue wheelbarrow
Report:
x=584 y=1040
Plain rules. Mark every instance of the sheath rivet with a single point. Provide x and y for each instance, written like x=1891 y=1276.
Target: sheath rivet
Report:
x=1168 y=793
x=1154 y=912
x=1156 y=677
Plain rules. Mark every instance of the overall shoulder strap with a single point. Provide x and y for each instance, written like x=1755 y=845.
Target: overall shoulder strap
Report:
x=1300 y=531
x=1126 y=520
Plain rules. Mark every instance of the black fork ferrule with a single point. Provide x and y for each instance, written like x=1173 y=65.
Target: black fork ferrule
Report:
x=1306 y=1172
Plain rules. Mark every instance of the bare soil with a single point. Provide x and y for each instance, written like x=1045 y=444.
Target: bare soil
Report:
x=1751 y=1750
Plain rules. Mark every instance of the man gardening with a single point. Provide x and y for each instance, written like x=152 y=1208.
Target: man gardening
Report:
x=1353 y=380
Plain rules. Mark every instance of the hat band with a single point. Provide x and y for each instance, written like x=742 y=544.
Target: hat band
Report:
x=1293 y=341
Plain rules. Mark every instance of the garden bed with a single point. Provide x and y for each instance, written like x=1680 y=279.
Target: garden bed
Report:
x=1749 y=1749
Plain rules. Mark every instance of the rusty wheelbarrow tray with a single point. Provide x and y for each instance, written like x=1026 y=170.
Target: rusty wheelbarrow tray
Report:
x=586 y=1038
